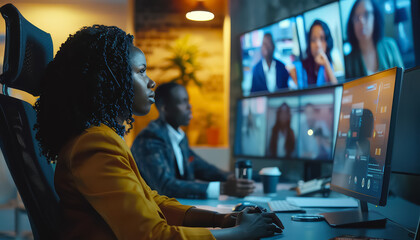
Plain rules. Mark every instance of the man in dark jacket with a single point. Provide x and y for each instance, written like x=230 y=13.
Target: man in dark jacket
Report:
x=167 y=163
x=269 y=74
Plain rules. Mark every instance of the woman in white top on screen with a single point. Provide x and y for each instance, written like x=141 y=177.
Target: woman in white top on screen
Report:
x=282 y=140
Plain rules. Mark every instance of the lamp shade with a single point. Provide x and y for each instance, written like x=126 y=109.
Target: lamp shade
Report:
x=200 y=13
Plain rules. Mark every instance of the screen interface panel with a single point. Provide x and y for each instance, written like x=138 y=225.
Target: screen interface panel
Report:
x=362 y=137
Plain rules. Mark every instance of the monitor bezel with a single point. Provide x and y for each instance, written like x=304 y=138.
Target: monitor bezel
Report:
x=381 y=201
x=285 y=93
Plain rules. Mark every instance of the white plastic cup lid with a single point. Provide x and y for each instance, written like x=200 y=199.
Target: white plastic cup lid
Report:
x=270 y=171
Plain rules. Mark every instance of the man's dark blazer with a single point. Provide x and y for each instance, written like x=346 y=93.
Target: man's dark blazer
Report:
x=155 y=158
x=259 y=83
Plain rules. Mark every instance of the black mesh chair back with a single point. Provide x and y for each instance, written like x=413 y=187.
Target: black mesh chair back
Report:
x=28 y=50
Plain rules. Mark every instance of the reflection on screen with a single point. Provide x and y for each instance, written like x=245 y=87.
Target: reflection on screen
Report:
x=363 y=132
x=251 y=127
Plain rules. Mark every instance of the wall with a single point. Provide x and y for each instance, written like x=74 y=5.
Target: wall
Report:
x=216 y=156
x=163 y=32
x=64 y=17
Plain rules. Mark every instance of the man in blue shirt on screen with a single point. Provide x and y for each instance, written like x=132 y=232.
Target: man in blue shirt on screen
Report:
x=167 y=163
x=269 y=75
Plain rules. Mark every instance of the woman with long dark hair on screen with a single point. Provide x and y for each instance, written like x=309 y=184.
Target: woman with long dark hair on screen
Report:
x=95 y=83
x=318 y=63
x=371 y=51
x=282 y=140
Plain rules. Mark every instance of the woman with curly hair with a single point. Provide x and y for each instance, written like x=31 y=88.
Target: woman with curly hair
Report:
x=95 y=83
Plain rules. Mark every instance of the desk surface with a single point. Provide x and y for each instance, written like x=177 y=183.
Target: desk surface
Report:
x=401 y=214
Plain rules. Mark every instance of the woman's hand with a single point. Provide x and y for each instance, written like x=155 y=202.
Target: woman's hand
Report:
x=254 y=224
x=251 y=224
x=321 y=59
x=226 y=220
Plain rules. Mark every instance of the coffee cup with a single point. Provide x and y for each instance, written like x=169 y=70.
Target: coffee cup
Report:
x=270 y=177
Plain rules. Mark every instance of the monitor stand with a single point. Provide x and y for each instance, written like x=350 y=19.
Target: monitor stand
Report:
x=312 y=170
x=361 y=217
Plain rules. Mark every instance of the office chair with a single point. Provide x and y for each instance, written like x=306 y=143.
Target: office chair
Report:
x=28 y=50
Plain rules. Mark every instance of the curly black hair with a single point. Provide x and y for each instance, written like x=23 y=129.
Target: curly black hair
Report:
x=88 y=83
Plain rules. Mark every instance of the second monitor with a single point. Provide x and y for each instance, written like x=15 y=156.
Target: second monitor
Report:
x=298 y=125
x=362 y=157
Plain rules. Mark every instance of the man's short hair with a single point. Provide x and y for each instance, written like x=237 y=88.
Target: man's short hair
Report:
x=163 y=93
x=270 y=36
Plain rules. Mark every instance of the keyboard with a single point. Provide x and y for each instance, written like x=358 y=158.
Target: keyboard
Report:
x=283 y=206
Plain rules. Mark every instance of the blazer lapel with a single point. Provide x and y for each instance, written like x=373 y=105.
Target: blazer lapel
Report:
x=188 y=166
x=172 y=162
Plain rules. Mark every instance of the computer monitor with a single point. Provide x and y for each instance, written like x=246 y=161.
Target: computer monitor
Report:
x=406 y=150
x=291 y=125
x=365 y=138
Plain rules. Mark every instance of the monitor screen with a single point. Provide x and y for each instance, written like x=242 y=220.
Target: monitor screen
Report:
x=318 y=123
x=365 y=136
x=251 y=120
x=279 y=41
x=321 y=23
x=293 y=125
x=386 y=25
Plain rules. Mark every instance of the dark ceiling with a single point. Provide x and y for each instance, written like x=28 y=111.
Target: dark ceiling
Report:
x=179 y=6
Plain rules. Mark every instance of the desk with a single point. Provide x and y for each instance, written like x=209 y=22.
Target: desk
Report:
x=403 y=214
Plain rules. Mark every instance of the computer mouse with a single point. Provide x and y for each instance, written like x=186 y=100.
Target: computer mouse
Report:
x=242 y=205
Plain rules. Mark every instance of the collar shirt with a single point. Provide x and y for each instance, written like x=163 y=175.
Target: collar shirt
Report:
x=176 y=137
x=270 y=75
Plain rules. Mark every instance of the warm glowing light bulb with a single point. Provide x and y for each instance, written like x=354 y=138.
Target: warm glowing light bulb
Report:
x=310 y=132
x=199 y=16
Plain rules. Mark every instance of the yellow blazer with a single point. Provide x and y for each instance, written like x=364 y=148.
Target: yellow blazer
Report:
x=103 y=196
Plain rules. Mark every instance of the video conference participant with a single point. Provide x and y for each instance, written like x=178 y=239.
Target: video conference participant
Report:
x=269 y=74
x=252 y=136
x=317 y=68
x=95 y=83
x=282 y=140
x=312 y=132
x=371 y=51
x=166 y=161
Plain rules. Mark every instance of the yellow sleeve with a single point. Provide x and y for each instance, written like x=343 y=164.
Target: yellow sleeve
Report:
x=173 y=210
x=104 y=175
